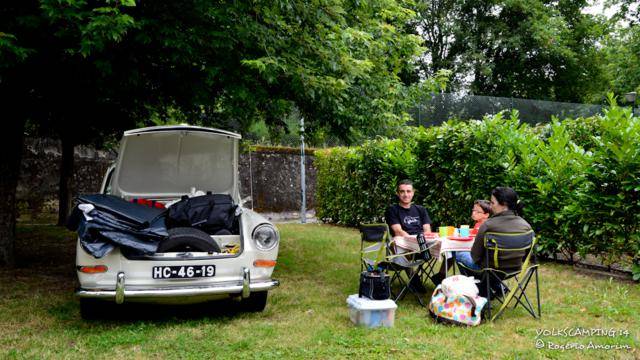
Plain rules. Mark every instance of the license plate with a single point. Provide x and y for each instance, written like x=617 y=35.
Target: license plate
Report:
x=183 y=272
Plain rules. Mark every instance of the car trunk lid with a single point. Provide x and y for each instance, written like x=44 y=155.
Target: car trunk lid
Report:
x=170 y=161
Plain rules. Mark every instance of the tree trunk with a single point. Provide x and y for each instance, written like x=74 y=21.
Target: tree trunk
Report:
x=10 y=159
x=66 y=180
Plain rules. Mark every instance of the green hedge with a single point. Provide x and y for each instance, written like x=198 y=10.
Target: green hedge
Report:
x=355 y=185
x=579 y=179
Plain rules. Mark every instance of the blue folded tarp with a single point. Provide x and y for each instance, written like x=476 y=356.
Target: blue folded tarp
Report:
x=117 y=222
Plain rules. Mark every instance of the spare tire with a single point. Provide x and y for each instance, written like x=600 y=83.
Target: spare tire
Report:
x=188 y=239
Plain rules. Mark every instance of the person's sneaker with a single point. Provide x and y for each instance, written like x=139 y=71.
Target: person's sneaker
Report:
x=417 y=285
x=497 y=294
x=437 y=278
x=485 y=312
x=505 y=290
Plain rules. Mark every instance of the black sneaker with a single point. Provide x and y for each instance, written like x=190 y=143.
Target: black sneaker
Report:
x=497 y=294
x=505 y=290
x=417 y=285
x=437 y=279
x=484 y=313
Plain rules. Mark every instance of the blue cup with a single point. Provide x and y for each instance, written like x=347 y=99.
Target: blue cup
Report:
x=464 y=231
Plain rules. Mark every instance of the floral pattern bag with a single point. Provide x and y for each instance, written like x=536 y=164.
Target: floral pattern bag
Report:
x=456 y=309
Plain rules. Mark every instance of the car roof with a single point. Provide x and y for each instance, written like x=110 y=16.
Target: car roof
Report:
x=181 y=127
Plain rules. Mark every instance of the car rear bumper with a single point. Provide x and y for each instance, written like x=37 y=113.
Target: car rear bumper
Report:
x=122 y=293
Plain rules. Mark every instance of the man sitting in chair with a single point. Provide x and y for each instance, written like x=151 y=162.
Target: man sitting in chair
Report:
x=406 y=219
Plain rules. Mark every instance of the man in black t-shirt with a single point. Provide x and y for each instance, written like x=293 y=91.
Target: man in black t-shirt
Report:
x=405 y=218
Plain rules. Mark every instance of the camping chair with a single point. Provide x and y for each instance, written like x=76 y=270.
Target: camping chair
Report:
x=501 y=246
x=373 y=256
x=410 y=265
x=376 y=236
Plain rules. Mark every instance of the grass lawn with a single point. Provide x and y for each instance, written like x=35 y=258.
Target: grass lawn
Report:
x=306 y=317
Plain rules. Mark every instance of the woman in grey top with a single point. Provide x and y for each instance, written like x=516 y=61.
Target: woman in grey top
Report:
x=505 y=208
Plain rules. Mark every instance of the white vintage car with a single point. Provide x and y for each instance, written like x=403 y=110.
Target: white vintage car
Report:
x=163 y=164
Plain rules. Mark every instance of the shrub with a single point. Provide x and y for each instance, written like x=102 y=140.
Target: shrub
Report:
x=355 y=185
x=548 y=174
x=332 y=164
x=607 y=205
x=584 y=131
x=459 y=162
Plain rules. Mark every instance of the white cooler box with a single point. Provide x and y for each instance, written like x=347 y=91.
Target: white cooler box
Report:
x=371 y=313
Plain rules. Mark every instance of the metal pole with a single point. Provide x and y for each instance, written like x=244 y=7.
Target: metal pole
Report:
x=250 y=178
x=631 y=98
x=303 y=209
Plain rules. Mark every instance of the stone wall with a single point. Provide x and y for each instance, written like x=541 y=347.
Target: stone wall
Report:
x=37 y=189
x=274 y=183
x=274 y=179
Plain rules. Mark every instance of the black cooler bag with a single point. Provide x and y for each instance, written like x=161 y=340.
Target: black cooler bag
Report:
x=374 y=285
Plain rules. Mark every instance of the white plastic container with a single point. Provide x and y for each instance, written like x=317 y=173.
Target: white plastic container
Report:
x=371 y=313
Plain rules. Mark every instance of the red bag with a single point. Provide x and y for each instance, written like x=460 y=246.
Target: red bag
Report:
x=152 y=203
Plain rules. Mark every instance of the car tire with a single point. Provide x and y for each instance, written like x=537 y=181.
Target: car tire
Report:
x=188 y=239
x=94 y=309
x=256 y=302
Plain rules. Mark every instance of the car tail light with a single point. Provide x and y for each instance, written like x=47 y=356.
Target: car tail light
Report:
x=264 y=263
x=96 y=269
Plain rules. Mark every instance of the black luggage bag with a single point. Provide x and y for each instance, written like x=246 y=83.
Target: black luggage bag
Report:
x=209 y=213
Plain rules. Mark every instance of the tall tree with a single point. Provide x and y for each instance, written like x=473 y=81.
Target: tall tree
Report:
x=628 y=11
x=67 y=72
x=537 y=49
x=621 y=51
x=94 y=68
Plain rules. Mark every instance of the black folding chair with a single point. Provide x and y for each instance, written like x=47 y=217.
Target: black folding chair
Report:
x=374 y=241
x=403 y=268
x=412 y=266
x=376 y=254
x=502 y=246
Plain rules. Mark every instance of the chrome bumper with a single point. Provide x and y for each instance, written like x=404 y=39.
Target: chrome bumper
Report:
x=121 y=293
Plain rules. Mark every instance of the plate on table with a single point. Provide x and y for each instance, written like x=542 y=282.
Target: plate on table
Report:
x=460 y=238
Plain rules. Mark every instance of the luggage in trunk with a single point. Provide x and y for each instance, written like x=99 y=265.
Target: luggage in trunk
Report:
x=210 y=213
x=111 y=221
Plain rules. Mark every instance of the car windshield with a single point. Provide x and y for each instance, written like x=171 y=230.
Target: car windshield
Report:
x=174 y=162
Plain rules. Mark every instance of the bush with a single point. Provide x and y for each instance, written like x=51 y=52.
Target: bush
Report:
x=607 y=205
x=460 y=162
x=355 y=185
x=550 y=171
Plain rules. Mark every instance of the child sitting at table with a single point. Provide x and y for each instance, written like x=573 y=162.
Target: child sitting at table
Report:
x=479 y=213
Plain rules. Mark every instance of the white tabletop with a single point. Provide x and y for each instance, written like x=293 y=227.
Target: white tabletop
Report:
x=446 y=245
x=454 y=245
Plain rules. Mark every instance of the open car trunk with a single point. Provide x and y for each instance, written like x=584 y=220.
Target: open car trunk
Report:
x=160 y=166
x=106 y=221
